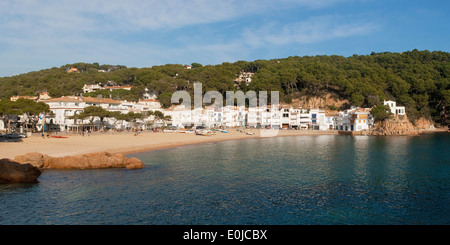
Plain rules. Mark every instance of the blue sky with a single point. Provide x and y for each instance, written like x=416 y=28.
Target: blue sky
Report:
x=40 y=34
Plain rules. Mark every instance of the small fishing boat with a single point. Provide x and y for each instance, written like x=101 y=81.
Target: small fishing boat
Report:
x=59 y=137
x=204 y=133
x=250 y=133
x=224 y=131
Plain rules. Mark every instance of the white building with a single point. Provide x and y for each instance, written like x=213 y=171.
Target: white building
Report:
x=149 y=95
x=318 y=120
x=232 y=116
x=64 y=107
x=96 y=87
x=355 y=119
x=305 y=119
x=396 y=110
x=245 y=77
x=253 y=117
x=181 y=117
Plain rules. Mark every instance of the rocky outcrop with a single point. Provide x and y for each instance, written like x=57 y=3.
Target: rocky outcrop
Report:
x=11 y=171
x=85 y=161
x=424 y=123
x=396 y=125
x=34 y=158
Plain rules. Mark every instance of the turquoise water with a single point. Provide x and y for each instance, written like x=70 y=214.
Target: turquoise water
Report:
x=328 y=179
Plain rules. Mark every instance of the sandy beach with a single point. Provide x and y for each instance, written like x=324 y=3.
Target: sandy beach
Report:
x=126 y=143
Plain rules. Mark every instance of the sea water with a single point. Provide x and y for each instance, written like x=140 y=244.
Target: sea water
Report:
x=302 y=180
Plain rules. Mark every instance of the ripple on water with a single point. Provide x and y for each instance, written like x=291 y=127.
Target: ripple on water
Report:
x=287 y=180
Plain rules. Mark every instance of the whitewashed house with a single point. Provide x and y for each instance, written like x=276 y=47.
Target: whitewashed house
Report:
x=2 y=126
x=305 y=119
x=396 y=110
x=64 y=107
x=355 y=119
x=95 y=87
x=318 y=120
x=285 y=119
x=181 y=117
x=253 y=117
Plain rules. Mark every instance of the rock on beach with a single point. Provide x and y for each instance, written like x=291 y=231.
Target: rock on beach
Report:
x=12 y=171
x=86 y=161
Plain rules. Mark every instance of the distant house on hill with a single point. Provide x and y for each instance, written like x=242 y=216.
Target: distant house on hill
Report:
x=187 y=67
x=72 y=70
x=15 y=98
x=44 y=96
x=243 y=76
x=95 y=87
x=149 y=95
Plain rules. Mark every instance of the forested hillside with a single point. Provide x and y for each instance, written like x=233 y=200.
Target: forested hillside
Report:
x=419 y=80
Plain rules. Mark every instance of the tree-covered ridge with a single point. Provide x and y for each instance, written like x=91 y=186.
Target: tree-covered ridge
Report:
x=419 y=80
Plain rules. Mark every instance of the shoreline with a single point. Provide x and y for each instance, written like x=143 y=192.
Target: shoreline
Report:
x=128 y=143
x=214 y=140
x=125 y=143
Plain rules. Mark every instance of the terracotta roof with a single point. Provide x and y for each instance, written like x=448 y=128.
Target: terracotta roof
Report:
x=13 y=98
x=100 y=101
x=149 y=100
x=83 y=99
x=65 y=99
x=117 y=87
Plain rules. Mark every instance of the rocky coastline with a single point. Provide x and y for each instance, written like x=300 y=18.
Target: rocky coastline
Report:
x=396 y=125
x=14 y=172
x=85 y=161
x=27 y=168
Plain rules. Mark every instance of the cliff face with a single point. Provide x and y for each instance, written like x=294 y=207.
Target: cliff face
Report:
x=396 y=125
x=318 y=102
x=424 y=123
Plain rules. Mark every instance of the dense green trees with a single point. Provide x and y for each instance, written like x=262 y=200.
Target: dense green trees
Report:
x=22 y=107
x=92 y=112
x=419 y=80
x=381 y=112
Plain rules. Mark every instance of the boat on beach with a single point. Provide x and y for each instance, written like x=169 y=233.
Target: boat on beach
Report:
x=204 y=133
x=14 y=136
x=59 y=137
